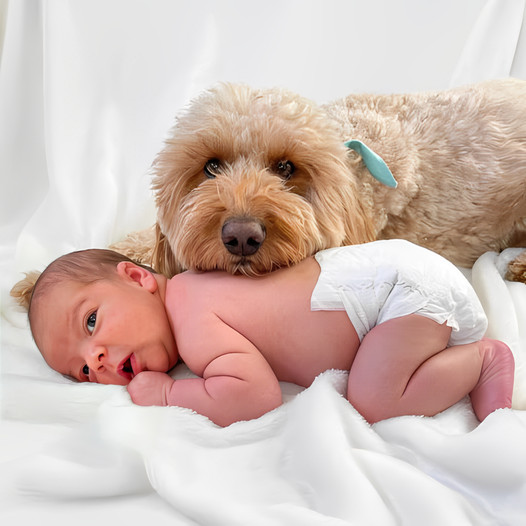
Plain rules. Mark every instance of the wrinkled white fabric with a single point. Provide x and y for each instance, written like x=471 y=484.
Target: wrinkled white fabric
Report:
x=494 y=48
x=313 y=460
x=88 y=92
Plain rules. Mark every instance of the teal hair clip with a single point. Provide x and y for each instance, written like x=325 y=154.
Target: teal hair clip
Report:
x=374 y=163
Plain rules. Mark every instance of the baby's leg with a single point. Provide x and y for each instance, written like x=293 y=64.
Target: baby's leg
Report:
x=403 y=367
x=495 y=386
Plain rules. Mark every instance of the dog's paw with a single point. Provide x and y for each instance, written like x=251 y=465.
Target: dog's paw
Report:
x=517 y=268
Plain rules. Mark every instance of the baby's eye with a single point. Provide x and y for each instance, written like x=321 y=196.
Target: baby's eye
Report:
x=90 y=322
x=85 y=370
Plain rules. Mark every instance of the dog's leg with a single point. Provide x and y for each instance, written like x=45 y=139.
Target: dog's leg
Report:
x=517 y=268
x=138 y=246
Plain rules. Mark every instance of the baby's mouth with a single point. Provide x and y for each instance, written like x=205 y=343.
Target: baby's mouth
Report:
x=126 y=368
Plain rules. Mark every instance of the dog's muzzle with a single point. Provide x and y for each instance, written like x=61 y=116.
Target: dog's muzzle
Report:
x=242 y=236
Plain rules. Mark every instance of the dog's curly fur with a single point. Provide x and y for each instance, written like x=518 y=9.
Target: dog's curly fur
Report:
x=277 y=161
x=250 y=132
x=459 y=157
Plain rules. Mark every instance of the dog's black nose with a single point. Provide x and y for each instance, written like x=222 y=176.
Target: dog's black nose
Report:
x=243 y=236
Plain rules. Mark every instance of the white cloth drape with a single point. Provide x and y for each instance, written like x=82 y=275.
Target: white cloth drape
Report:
x=496 y=47
x=88 y=91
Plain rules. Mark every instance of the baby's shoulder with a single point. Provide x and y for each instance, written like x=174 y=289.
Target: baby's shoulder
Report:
x=193 y=297
x=191 y=311
x=184 y=293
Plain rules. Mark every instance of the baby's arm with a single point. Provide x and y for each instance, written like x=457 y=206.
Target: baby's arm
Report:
x=237 y=382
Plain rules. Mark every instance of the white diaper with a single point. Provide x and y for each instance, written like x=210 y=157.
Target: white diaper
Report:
x=382 y=280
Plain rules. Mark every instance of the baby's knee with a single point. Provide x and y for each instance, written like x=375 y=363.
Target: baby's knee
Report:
x=369 y=404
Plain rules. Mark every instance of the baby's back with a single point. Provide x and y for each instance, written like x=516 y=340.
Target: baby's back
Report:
x=274 y=313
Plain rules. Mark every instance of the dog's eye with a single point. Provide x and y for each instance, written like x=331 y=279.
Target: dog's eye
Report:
x=284 y=169
x=212 y=168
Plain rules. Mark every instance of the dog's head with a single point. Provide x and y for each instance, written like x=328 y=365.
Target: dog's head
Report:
x=252 y=180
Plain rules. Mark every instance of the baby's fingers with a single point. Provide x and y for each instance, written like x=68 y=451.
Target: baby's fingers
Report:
x=149 y=388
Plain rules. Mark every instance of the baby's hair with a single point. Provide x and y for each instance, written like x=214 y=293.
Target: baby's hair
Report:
x=83 y=266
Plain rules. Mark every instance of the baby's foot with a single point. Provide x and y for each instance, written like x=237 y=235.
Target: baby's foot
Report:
x=495 y=386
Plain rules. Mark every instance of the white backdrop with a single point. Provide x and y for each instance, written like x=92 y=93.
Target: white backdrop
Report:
x=89 y=89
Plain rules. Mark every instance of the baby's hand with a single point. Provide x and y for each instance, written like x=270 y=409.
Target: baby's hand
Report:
x=150 y=388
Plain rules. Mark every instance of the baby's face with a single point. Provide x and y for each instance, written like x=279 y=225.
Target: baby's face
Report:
x=105 y=332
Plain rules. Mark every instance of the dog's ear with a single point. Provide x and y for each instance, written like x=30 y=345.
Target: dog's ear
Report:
x=23 y=290
x=163 y=259
x=357 y=222
x=359 y=228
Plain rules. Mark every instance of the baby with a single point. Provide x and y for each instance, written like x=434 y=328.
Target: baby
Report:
x=402 y=320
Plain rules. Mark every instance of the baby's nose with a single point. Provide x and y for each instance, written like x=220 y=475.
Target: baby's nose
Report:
x=96 y=358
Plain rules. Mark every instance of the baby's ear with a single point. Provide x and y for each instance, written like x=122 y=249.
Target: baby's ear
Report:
x=142 y=276
x=23 y=290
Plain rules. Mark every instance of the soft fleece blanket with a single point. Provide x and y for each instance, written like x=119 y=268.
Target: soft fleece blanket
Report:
x=313 y=460
x=88 y=90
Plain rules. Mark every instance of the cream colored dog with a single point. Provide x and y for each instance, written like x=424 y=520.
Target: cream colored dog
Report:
x=251 y=180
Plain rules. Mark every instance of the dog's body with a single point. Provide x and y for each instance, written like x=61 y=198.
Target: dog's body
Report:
x=459 y=157
x=280 y=185
x=252 y=180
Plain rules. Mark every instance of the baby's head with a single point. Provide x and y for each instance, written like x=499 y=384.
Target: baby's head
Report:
x=98 y=316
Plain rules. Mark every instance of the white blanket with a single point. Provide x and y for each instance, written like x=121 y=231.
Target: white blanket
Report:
x=88 y=90
x=313 y=460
